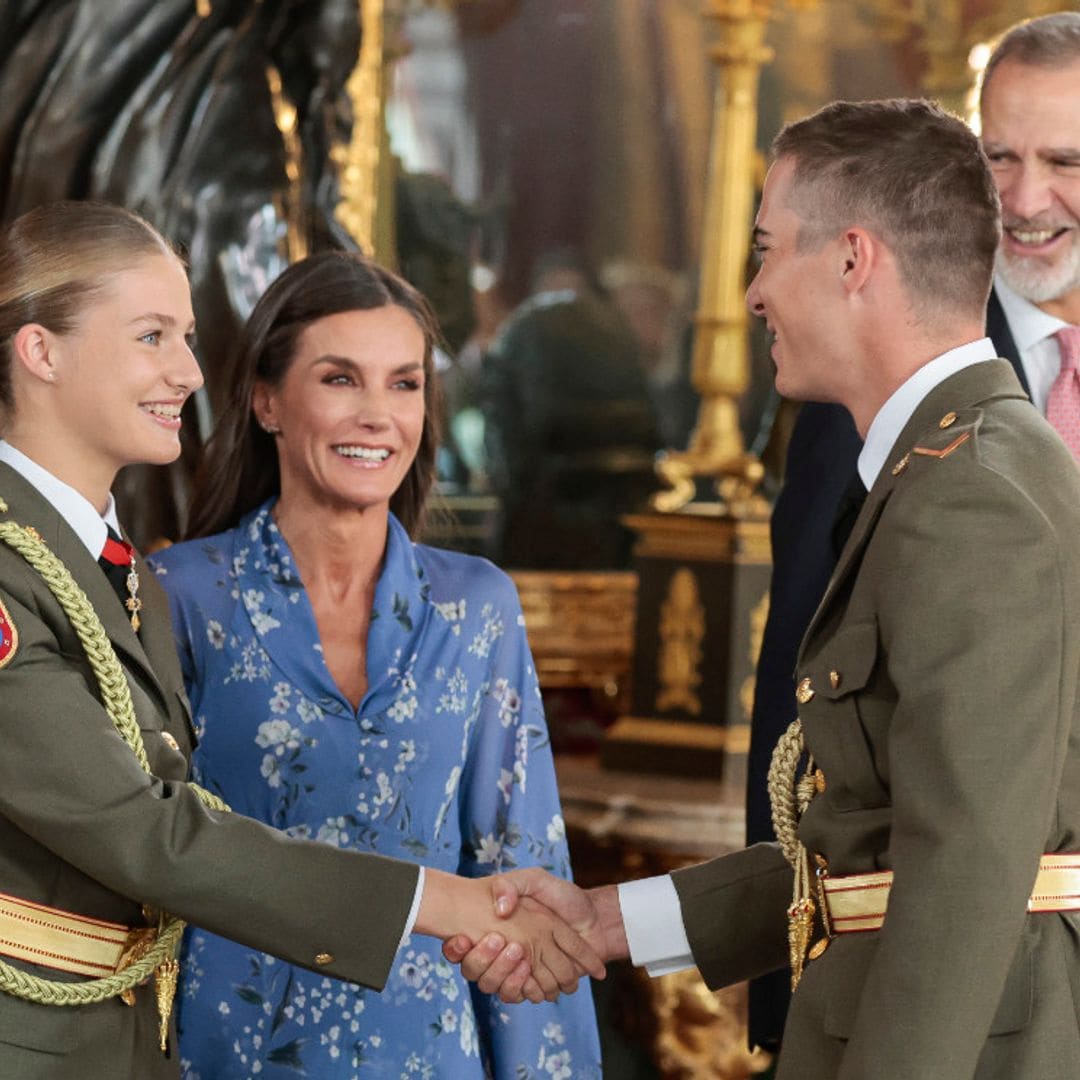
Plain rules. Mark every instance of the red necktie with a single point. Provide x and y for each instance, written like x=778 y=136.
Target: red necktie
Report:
x=1063 y=404
x=115 y=560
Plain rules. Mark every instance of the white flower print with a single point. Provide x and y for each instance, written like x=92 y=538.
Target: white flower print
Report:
x=554 y=1033
x=333 y=832
x=215 y=634
x=263 y=621
x=279 y=734
x=271 y=770
x=453 y=611
x=489 y=849
x=490 y=633
x=505 y=783
x=556 y=830
x=308 y=711
x=468 y=1041
x=280 y=703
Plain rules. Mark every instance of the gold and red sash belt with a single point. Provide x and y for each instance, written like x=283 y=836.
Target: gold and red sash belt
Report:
x=859 y=901
x=64 y=941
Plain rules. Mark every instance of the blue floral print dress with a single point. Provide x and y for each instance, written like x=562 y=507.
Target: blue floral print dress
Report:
x=446 y=762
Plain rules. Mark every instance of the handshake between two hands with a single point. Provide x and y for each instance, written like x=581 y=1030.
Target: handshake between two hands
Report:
x=524 y=935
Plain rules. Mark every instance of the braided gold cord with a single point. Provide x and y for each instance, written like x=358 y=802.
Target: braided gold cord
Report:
x=116 y=697
x=786 y=796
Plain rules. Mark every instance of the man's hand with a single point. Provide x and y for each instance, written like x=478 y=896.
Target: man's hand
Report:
x=548 y=956
x=594 y=914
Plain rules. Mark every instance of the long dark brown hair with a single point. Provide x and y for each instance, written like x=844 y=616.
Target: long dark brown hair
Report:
x=240 y=463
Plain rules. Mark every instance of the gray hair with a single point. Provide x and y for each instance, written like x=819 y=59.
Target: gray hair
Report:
x=1049 y=41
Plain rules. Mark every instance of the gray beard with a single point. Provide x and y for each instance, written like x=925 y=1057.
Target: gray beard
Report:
x=1039 y=283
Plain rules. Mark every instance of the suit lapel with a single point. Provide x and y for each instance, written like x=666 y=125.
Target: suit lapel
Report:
x=28 y=507
x=972 y=386
x=998 y=331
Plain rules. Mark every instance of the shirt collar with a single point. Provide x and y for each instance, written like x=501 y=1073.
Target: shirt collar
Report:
x=1028 y=324
x=89 y=526
x=897 y=411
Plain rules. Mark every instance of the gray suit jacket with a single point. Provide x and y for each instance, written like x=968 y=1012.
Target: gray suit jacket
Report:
x=951 y=751
x=84 y=828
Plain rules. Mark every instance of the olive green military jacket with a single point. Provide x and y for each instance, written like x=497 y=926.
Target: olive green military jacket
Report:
x=85 y=829
x=944 y=661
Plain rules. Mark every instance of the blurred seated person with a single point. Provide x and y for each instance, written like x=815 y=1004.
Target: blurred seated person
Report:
x=569 y=427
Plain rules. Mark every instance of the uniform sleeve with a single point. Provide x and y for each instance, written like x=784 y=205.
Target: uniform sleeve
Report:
x=70 y=783
x=511 y=817
x=973 y=624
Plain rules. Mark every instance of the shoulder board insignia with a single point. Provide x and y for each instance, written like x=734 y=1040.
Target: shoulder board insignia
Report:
x=945 y=451
x=9 y=636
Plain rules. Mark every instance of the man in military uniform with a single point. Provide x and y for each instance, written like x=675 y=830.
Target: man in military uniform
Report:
x=930 y=795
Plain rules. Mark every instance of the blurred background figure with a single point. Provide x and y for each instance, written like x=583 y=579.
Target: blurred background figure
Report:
x=654 y=303
x=569 y=424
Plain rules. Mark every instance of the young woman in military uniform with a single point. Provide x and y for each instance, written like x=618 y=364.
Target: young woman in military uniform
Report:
x=104 y=846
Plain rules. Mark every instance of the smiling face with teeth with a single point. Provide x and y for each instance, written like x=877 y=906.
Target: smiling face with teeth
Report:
x=1031 y=133
x=350 y=410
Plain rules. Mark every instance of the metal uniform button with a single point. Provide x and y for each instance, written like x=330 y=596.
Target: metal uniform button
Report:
x=818 y=948
x=324 y=958
x=834 y=679
x=169 y=741
x=804 y=691
x=820 y=861
x=819 y=781
x=947 y=420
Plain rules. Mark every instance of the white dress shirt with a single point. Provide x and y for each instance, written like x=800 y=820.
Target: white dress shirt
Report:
x=1033 y=331
x=77 y=510
x=651 y=912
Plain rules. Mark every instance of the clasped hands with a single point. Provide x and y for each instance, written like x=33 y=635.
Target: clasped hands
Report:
x=548 y=934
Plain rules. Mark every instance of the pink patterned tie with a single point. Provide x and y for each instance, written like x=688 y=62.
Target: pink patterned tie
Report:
x=1063 y=404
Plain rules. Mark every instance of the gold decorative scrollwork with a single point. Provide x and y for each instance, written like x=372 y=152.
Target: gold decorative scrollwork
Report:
x=682 y=630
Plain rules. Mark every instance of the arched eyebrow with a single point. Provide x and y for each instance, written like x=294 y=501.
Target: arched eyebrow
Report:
x=408 y=368
x=160 y=319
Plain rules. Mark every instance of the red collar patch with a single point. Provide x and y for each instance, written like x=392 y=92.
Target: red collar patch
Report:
x=9 y=636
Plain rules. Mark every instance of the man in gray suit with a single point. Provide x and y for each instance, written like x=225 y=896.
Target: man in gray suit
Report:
x=931 y=789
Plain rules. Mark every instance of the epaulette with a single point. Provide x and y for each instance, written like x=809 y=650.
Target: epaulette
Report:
x=953 y=431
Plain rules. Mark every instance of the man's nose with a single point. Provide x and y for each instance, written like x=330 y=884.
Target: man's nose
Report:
x=1027 y=193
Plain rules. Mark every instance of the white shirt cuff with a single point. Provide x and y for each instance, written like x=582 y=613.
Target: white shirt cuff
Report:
x=410 y=922
x=655 y=932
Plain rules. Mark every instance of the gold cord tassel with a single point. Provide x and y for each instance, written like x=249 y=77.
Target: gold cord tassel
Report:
x=165 y=980
x=800 y=919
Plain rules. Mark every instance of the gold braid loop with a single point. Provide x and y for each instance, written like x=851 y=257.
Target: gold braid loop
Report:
x=789 y=797
x=116 y=698
x=785 y=794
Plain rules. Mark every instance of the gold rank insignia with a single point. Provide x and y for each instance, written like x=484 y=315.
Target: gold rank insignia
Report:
x=804 y=691
x=944 y=452
x=9 y=636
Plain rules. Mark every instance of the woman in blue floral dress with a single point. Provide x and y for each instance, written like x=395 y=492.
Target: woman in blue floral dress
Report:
x=353 y=687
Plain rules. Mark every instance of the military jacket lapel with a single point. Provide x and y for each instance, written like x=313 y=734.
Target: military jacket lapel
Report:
x=28 y=507
x=971 y=386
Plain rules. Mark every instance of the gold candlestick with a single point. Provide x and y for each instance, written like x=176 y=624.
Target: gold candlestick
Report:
x=721 y=358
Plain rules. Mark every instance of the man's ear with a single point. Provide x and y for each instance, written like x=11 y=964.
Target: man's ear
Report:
x=860 y=252
x=35 y=348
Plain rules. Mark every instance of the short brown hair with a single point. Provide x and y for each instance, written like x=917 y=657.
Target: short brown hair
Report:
x=53 y=262
x=1049 y=41
x=913 y=174
x=240 y=464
